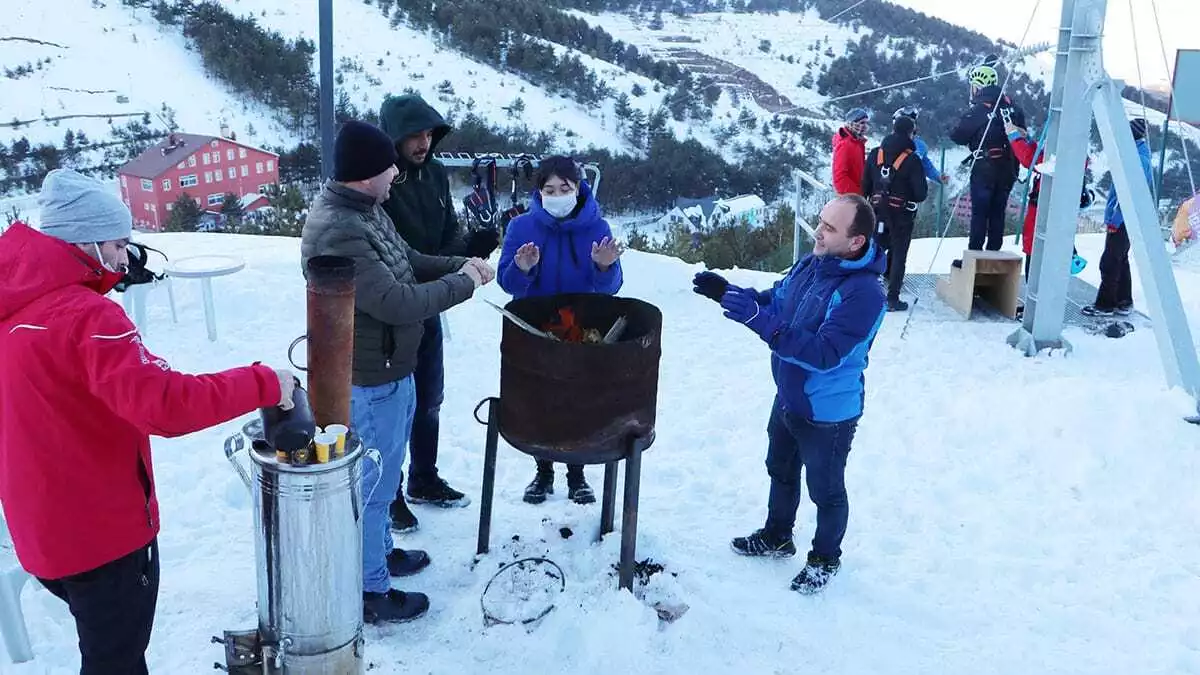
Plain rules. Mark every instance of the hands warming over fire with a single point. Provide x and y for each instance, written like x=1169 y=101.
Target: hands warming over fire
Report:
x=605 y=252
x=527 y=257
x=479 y=271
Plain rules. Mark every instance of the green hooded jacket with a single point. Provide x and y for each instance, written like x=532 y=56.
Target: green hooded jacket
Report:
x=419 y=203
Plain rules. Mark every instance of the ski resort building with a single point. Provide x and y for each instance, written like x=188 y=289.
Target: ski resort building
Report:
x=712 y=212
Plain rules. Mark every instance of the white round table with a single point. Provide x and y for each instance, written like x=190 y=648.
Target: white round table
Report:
x=205 y=268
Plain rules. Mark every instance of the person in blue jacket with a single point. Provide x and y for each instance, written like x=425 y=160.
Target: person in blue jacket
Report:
x=1115 y=295
x=931 y=171
x=819 y=321
x=561 y=245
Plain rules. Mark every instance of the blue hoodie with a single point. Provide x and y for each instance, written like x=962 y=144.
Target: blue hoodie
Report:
x=566 y=251
x=1112 y=210
x=830 y=310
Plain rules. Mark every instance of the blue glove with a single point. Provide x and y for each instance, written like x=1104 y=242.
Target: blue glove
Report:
x=742 y=306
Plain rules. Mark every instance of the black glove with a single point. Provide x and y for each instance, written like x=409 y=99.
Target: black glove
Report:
x=711 y=285
x=481 y=243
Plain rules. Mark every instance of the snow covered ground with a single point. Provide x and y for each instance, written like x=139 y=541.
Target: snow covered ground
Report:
x=1008 y=515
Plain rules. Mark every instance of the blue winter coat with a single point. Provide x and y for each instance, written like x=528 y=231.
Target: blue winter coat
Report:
x=931 y=171
x=830 y=310
x=566 y=252
x=1112 y=210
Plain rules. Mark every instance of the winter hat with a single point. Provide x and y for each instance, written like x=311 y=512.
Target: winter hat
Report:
x=904 y=126
x=361 y=151
x=857 y=115
x=81 y=210
x=1138 y=127
x=558 y=165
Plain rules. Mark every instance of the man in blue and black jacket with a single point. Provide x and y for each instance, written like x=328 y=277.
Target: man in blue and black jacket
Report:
x=819 y=321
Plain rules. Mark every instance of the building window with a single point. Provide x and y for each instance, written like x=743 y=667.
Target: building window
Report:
x=262 y=189
x=214 y=144
x=229 y=154
x=188 y=180
x=181 y=165
x=217 y=176
x=258 y=167
x=216 y=158
x=192 y=160
x=170 y=206
x=270 y=165
x=154 y=208
x=216 y=199
x=166 y=185
x=207 y=176
x=146 y=206
x=232 y=171
x=206 y=160
x=124 y=181
x=241 y=153
x=147 y=185
x=245 y=170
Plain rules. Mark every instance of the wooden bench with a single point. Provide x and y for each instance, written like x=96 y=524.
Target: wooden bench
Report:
x=995 y=276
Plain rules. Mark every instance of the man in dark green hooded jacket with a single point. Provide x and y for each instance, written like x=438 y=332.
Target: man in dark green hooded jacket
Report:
x=422 y=210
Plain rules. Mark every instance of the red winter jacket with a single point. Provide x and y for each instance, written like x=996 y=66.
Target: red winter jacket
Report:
x=849 y=162
x=79 y=394
x=1024 y=149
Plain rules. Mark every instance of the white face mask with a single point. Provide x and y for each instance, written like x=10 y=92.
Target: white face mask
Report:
x=560 y=206
x=104 y=264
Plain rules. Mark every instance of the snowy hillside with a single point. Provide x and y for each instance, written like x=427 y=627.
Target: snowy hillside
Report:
x=1009 y=515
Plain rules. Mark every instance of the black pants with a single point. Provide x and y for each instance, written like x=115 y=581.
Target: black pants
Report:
x=429 y=379
x=1116 y=283
x=989 y=201
x=573 y=470
x=895 y=239
x=113 y=606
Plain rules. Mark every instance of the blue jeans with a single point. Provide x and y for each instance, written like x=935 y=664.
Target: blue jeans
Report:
x=795 y=443
x=382 y=417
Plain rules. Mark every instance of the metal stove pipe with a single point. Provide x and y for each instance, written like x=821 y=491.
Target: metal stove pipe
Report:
x=330 y=337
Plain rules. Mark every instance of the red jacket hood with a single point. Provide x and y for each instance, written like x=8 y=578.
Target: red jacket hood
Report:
x=33 y=265
x=843 y=135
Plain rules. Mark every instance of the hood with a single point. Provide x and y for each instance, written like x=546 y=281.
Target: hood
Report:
x=402 y=116
x=33 y=265
x=894 y=144
x=989 y=95
x=587 y=215
x=844 y=135
x=873 y=261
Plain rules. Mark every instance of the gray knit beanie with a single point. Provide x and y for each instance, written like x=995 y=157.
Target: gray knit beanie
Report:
x=81 y=210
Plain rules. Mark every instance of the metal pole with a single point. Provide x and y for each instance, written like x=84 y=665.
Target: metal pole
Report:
x=941 y=204
x=629 y=515
x=325 y=18
x=1162 y=160
x=489 y=475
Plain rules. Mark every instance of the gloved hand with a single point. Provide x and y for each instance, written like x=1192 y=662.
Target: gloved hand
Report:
x=711 y=285
x=742 y=306
x=481 y=243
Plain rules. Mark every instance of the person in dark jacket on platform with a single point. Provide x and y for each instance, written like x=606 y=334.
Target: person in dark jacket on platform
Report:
x=422 y=211
x=994 y=167
x=562 y=245
x=1115 y=295
x=819 y=322
x=396 y=289
x=894 y=182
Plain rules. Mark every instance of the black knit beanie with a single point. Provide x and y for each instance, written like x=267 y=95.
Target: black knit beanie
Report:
x=361 y=151
x=557 y=165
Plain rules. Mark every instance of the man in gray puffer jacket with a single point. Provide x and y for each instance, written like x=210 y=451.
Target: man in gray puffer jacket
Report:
x=396 y=289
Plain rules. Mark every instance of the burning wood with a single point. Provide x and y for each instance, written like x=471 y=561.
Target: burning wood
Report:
x=567 y=328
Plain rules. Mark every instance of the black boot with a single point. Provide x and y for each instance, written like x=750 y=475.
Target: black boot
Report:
x=401 y=563
x=403 y=519
x=542 y=485
x=578 y=489
x=394 y=606
x=435 y=491
x=761 y=543
x=815 y=574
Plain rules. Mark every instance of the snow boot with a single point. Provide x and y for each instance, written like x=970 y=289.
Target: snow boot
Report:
x=401 y=563
x=763 y=544
x=436 y=492
x=393 y=607
x=541 y=486
x=403 y=519
x=897 y=305
x=578 y=489
x=816 y=573
x=1092 y=310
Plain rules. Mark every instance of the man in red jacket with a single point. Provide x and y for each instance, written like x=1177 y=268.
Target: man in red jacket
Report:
x=79 y=396
x=850 y=153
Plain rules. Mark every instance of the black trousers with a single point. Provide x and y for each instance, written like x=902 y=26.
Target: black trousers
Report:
x=989 y=200
x=429 y=378
x=113 y=606
x=1116 y=282
x=546 y=466
x=895 y=239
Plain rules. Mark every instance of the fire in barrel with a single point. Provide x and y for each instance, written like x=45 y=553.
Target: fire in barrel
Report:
x=579 y=376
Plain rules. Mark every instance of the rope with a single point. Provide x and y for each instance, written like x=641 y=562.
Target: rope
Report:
x=974 y=159
x=835 y=16
x=1171 y=83
x=1137 y=59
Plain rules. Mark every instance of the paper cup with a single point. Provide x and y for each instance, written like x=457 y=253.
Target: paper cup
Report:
x=324 y=444
x=339 y=431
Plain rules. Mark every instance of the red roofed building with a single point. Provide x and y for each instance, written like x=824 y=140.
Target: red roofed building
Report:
x=203 y=167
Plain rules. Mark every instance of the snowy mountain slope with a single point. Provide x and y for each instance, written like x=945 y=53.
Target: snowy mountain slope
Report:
x=1008 y=515
x=112 y=62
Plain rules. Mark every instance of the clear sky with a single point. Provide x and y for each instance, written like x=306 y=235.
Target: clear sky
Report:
x=1007 y=19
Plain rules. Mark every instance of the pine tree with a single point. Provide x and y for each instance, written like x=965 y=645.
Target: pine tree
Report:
x=185 y=214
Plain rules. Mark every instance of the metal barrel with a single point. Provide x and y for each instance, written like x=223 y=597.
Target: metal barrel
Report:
x=308 y=540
